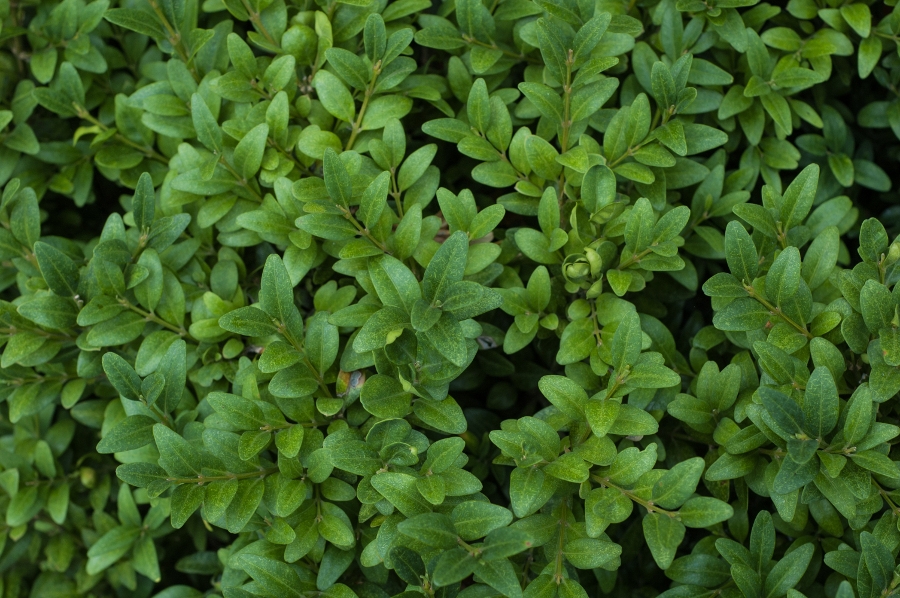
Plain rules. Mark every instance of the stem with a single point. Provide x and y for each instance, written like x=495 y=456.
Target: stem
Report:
x=257 y=22
x=239 y=179
x=566 y=124
x=50 y=335
x=363 y=230
x=299 y=346
x=202 y=479
x=146 y=150
x=162 y=415
x=887 y=497
x=151 y=317
x=567 y=100
x=376 y=70
x=635 y=258
x=287 y=154
x=474 y=552
x=395 y=193
x=563 y=523
x=175 y=39
x=647 y=504
x=777 y=311
x=471 y=40
x=597 y=334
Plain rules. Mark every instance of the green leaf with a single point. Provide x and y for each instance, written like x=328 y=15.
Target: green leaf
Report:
x=545 y=99
x=788 y=571
x=445 y=415
x=589 y=553
x=446 y=267
x=248 y=321
x=50 y=311
x=663 y=535
x=112 y=546
x=337 y=179
x=58 y=269
x=703 y=511
x=478 y=106
x=799 y=196
x=879 y=561
x=177 y=456
x=632 y=421
x=500 y=575
x=131 y=433
x=626 y=343
x=475 y=520
x=565 y=394
x=432 y=529
x=453 y=566
x=859 y=17
x=276 y=294
x=678 y=484
x=248 y=154
x=334 y=96
x=274 y=577
x=821 y=404
x=783 y=278
x=205 y=124
x=784 y=411
x=144 y=202
x=859 y=416
x=173 y=368
x=384 y=396
x=740 y=252
x=400 y=490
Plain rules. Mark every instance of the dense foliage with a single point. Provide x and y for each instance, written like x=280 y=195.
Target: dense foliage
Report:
x=522 y=298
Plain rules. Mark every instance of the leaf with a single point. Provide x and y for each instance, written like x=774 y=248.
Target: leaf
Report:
x=626 y=343
x=432 y=529
x=788 y=571
x=140 y=21
x=144 y=202
x=500 y=575
x=453 y=566
x=783 y=410
x=177 y=456
x=334 y=96
x=274 y=577
x=276 y=294
x=208 y=131
x=821 y=404
x=703 y=511
x=337 y=179
x=565 y=394
x=446 y=267
x=50 y=311
x=478 y=106
x=740 y=252
x=248 y=321
x=112 y=546
x=400 y=490
x=799 y=196
x=783 y=278
x=879 y=561
x=173 y=368
x=248 y=154
x=545 y=99
x=58 y=269
x=475 y=520
x=678 y=484
x=663 y=535
x=131 y=433
x=589 y=553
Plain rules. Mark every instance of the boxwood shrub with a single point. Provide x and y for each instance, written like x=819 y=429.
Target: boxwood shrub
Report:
x=449 y=298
